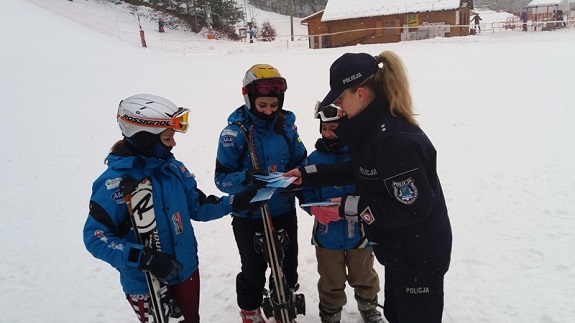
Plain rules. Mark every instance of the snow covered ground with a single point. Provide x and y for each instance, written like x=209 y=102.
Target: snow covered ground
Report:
x=496 y=105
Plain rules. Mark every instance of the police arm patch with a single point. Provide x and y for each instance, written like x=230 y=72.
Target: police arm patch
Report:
x=405 y=191
x=367 y=216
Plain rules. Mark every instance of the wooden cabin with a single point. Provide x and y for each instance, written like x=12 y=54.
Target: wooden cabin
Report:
x=348 y=23
x=543 y=10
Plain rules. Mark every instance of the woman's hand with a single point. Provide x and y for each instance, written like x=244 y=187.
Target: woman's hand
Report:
x=294 y=173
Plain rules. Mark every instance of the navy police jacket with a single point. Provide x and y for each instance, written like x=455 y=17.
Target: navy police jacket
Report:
x=398 y=196
x=336 y=235
x=275 y=153
x=108 y=234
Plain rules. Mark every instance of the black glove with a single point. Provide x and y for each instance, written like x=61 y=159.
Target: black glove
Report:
x=241 y=201
x=291 y=190
x=250 y=177
x=162 y=265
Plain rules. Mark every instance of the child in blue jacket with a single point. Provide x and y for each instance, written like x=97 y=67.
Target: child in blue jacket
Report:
x=278 y=148
x=148 y=123
x=342 y=250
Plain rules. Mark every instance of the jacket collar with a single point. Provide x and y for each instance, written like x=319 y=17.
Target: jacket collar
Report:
x=339 y=150
x=353 y=132
x=137 y=161
x=245 y=116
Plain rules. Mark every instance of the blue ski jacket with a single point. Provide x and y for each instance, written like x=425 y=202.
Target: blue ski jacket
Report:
x=275 y=152
x=336 y=235
x=108 y=233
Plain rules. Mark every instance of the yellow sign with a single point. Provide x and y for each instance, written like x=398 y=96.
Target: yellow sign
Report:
x=413 y=20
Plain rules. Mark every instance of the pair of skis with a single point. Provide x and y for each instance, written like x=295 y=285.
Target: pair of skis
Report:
x=138 y=198
x=281 y=302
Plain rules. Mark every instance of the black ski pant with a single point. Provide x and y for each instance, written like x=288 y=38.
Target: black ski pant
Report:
x=250 y=282
x=412 y=298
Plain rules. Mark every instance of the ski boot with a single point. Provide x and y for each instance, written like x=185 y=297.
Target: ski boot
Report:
x=254 y=316
x=329 y=314
x=368 y=310
x=295 y=303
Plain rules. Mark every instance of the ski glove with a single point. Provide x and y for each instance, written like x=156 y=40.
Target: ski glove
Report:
x=325 y=215
x=162 y=265
x=291 y=191
x=251 y=177
x=348 y=208
x=241 y=201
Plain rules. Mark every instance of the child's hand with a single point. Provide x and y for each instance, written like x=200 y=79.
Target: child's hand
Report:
x=325 y=214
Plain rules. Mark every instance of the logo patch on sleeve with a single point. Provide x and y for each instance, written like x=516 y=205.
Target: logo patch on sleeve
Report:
x=405 y=191
x=186 y=172
x=229 y=132
x=113 y=183
x=227 y=141
x=272 y=169
x=178 y=227
x=118 y=197
x=367 y=216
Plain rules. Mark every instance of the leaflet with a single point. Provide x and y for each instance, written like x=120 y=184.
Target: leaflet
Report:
x=263 y=194
x=276 y=179
x=325 y=203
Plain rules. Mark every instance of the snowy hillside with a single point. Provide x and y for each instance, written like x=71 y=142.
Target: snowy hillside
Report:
x=497 y=107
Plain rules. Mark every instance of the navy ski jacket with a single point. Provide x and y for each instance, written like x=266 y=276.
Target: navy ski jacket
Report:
x=398 y=195
x=275 y=153
x=336 y=235
x=108 y=233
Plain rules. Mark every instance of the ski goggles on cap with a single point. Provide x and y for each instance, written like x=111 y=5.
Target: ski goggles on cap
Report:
x=328 y=113
x=178 y=122
x=266 y=87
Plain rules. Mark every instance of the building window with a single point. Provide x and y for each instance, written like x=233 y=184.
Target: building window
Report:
x=389 y=28
x=379 y=28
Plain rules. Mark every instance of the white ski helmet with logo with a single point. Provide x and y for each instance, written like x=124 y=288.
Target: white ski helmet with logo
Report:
x=150 y=113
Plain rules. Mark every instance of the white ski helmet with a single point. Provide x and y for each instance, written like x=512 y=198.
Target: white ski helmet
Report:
x=263 y=80
x=150 y=113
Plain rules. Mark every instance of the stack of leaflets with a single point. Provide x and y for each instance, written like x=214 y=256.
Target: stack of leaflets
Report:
x=275 y=181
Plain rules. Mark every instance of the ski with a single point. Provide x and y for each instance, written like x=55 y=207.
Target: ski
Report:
x=282 y=304
x=138 y=198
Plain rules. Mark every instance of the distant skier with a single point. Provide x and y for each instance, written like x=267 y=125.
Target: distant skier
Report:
x=476 y=20
x=161 y=24
x=251 y=32
x=560 y=19
x=524 y=19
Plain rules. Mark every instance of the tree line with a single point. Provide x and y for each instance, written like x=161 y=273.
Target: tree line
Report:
x=513 y=6
x=296 y=8
x=224 y=15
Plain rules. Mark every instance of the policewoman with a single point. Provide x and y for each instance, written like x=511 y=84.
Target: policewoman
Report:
x=263 y=122
x=398 y=196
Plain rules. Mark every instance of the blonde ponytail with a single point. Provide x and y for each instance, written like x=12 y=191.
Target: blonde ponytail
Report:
x=392 y=77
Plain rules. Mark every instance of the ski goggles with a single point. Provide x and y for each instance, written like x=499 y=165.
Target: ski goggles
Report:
x=328 y=113
x=178 y=122
x=267 y=87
